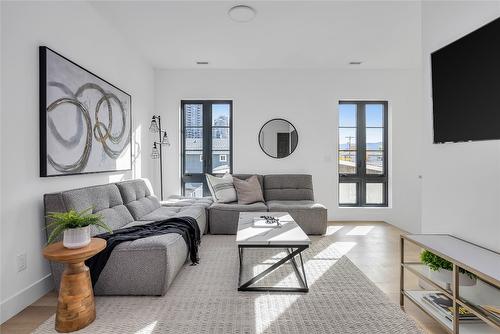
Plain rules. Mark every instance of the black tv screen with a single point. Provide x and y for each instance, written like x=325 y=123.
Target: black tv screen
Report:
x=466 y=87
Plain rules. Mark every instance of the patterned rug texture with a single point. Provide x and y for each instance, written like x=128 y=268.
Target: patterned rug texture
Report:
x=204 y=298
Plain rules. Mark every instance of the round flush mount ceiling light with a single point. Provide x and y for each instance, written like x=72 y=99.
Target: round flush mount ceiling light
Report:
x=241 y=13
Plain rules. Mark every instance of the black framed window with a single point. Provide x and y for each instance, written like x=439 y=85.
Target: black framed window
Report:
x=207 y=143
x=362 y=153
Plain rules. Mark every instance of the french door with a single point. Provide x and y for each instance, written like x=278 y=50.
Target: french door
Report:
x=207 y=143
x=362 y=153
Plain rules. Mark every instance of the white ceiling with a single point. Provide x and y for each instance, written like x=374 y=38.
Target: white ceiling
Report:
x=284 y=34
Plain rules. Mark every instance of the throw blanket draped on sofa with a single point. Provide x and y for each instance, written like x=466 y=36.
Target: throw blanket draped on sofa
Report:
x=187 y=227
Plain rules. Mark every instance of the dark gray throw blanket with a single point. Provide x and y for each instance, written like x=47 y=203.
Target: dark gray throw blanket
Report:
x=187 y=227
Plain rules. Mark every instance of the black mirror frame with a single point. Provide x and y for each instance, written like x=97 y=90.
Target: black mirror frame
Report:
x=277 y=119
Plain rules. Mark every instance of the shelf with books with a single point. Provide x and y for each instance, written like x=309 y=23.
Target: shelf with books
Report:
x=472 y=327
x=483 y=299
x=473 y=300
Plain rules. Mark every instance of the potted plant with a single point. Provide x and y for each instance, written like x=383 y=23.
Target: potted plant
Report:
x=75 y=225
x=442 y=270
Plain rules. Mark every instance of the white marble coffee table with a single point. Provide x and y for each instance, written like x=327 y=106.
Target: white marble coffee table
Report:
x=289 y=236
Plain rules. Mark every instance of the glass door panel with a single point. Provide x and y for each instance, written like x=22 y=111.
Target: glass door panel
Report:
x=206 y=143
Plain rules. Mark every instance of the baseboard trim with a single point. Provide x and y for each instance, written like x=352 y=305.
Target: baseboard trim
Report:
x=19 y=301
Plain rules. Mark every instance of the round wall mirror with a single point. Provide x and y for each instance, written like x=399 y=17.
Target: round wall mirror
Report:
x=278 y=138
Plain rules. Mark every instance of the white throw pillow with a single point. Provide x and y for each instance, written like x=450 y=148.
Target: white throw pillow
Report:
x=222 y=188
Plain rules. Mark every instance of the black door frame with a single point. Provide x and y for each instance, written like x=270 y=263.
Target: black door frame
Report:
x=361 y=178
x=207 y=143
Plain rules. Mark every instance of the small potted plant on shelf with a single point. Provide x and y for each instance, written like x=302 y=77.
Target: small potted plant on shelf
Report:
x=76 y=227
x=442 y=270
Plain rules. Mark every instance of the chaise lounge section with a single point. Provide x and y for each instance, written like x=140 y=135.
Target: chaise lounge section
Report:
x=142 y=267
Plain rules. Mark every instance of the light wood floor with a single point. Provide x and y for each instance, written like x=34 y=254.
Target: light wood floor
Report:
x=372 y=246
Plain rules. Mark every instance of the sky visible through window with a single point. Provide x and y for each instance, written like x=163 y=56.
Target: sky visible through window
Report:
x=374 y=123
x=220 y=111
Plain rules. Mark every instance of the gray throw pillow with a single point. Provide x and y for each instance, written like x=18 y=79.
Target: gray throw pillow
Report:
x=249 y=190
x=221 y=188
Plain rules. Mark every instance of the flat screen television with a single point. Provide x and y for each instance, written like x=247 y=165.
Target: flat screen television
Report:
x=466 y=87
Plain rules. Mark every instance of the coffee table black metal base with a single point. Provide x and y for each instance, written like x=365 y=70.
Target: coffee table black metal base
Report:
x=293 y=251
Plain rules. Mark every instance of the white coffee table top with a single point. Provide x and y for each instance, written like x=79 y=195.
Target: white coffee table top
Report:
x=288 y=234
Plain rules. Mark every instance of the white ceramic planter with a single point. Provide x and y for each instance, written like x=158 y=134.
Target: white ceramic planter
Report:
x=76 y=237
x=446 y=276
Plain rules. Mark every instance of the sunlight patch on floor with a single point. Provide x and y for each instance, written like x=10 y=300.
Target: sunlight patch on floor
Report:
x=148 y=329
x=360 y=230
x=332 y=229
x=267 y=309
x=335 y=250
x=266 y=313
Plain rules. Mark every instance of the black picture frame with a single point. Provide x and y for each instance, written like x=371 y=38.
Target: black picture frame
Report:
x=44 y=158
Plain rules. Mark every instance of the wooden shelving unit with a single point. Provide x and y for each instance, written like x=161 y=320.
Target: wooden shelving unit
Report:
x=483 y=263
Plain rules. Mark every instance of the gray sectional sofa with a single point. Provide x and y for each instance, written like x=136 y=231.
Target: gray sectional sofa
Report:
x=148 y=266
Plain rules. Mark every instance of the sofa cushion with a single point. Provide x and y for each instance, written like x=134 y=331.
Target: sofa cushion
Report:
x=223 y=218
x=310 y=216
x=104 y=200
x=138 y=197
x=278 y=205
x=249 y=191
x=178 y=201
x=239 y=207
x=144 y=266
x=246 y=176
x=221 y=188
x=115 y=217
x=288 y=187
x=160 y=214
x=196 y=212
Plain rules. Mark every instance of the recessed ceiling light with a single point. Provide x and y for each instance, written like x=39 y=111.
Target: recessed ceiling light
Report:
x=202 y=63
x=355 y=62
x=241 y=13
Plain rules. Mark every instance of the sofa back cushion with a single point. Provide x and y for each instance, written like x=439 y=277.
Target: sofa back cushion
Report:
x=103 y=199
x=249 y=190
x=221 y=188
x=246 y=176
x=138 y=197
x=288 y=187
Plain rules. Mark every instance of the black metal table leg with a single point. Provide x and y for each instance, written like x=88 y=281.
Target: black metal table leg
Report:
x=292 y=252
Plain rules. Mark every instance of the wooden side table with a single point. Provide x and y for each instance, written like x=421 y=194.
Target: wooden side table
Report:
x=75 y=304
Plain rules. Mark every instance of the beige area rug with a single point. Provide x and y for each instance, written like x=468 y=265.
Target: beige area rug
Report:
x=204 y=298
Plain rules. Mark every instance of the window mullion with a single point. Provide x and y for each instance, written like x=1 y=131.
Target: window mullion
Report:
x=207 y=129
x=361 y=125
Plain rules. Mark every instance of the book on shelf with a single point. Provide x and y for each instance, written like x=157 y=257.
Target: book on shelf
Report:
x=444 y=306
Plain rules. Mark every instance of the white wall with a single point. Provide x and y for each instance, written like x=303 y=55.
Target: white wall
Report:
x=308 y=99
x=77 y=31
x=461 y=185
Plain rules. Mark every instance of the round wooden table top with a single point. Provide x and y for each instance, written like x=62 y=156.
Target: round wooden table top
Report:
x=57 y=252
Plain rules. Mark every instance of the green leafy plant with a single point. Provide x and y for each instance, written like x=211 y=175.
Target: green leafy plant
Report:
x=61 y=221
x=435 y=263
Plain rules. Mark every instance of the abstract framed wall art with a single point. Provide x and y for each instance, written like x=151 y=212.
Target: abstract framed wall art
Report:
x=85 y=122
